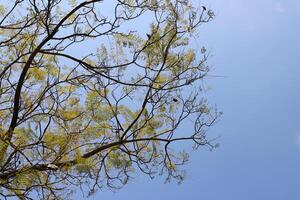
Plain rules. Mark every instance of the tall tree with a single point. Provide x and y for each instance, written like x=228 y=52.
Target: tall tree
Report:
x=92 y=92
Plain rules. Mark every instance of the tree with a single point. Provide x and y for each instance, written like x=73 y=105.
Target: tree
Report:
x=88 y=97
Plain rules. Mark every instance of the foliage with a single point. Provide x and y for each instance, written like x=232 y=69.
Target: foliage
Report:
x=88 y=98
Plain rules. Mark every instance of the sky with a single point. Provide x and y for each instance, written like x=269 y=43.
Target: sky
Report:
x=255 y=51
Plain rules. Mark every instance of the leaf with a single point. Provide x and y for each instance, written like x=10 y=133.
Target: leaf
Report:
x=38 y=73
x=2 y=10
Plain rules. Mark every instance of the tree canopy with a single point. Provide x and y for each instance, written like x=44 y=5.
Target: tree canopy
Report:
x=92 y=92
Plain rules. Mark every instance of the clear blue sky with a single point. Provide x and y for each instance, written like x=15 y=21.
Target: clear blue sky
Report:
x=255 y=45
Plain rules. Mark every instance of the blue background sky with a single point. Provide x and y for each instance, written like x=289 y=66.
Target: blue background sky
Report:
x=255 y=47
